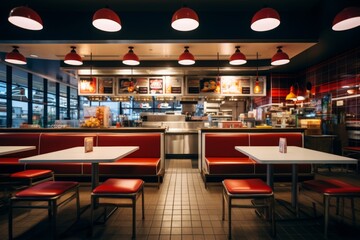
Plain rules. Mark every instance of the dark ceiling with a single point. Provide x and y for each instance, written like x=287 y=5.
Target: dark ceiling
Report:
x=148 y=21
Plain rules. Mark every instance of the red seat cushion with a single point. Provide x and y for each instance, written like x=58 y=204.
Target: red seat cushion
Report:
x=31 y=173
x=331 y=186
x=247 y=186
x=47 y=189
x=119 y=186
x=229 y=165
x=353 y=149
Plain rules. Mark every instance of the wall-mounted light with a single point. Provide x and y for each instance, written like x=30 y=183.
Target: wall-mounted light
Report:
x=185 y=19
x=15 y=57
x=25 y=17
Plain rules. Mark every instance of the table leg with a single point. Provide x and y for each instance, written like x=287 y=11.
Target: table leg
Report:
x=94 y=175
x=270 y=175
x=294 y=190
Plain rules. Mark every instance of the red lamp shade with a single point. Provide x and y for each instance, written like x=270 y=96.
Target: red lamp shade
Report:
x=26 y=18
x=238 y=58
x=15 y=57
x=264 y=20
x=280 y=58
x=106 y=20
x=72 y=58
x=131 y=58
x=186 y=58
x=185 y=19
x=347 y=19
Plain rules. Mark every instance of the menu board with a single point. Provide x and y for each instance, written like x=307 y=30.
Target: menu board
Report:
x=142 y=86
x=193 y=86
x=235 y=85
x=124 y=86
x=173 y=85
x=106 y=85
x=87 y=85
x=156 y=85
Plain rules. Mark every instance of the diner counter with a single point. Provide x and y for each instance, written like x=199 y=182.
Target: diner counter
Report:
x=251 y=130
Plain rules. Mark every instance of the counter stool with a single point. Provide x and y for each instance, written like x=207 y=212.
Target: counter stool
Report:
x=55 y=193
x=33 y=176
x=332 y=188
x=254 y=189
x=118 y=188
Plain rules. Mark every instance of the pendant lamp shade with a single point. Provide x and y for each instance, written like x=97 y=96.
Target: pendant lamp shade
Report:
x=131 y=58
x=72 y=58
x=291 y=96
x=257 y=86
x=238 y=58
x=185 y=19
x=280 y=58
x=347 y=19
x=186 y=58
x=26 y=18
x=15 y=57
x=264 y=20
x=106 y=20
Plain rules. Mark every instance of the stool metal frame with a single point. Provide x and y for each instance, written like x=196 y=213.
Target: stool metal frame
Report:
x=95 y=203
x=268 y=204
x=53 y=203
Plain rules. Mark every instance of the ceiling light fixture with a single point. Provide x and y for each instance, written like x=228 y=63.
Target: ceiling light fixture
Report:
x=264 y=20
x=186 y=58
x=15 y=57
x=185 y=19
x=72 y=58
x=131 y=58
x=238 y=58
x=280 y=58
x=257 y=85
x=291 y=96
x=106 y=20
x=347 y=19
x=25 y=17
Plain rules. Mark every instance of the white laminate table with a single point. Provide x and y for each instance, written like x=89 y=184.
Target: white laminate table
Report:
x=14 y=149
x=295 y=155
x=78 y=155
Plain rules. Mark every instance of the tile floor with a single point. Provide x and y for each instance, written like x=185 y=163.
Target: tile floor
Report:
x=183 y=209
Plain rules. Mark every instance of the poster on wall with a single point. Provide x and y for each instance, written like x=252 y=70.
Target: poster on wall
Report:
x=87 y=85
x=106 y=85
x=208 y=85
x=173 y=85
x=125 y=86
x=156 y=85
x=133 y=86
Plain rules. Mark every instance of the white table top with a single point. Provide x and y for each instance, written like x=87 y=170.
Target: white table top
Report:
x=14 y=149
x=77 y=154
x=294 y=155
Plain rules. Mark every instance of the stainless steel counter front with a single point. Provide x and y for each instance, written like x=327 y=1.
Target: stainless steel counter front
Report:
x=180 y=144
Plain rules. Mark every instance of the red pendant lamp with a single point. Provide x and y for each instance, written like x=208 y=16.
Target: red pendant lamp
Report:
x=347 y=19
x=72 y=58
x=280 y=58
x=238 y=58
x=25 y=17
x=186 y=58
x=264 y=20
x=106 y=20
x=185 y=19
x=15 y=57
x=131 y=58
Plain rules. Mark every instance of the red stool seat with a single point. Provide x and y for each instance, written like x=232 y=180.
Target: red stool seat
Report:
x=47 y=189
x=247 y=186
x=33 y=176
x=248 y=189
x=123 y=186
x=332 y=188
x=55 y=193
x=118 y=188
